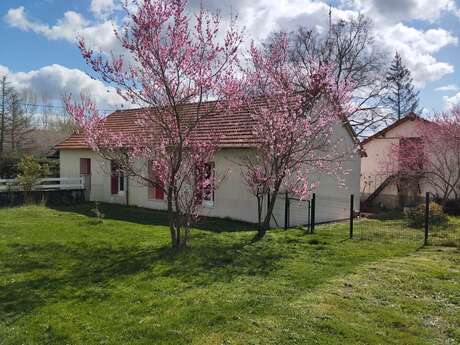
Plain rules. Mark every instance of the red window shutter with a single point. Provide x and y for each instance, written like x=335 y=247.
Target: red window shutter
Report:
x=114 y=178
x=150 y=192
x=114 y=184
x=85 y=166
x=154 y=192
x=159 y=193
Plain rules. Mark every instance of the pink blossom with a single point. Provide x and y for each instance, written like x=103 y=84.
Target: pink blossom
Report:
x=172 y=62
x=294 y=124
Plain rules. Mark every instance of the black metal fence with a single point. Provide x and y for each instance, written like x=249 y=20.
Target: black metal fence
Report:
x=395 y=224
x=48 y=197
x=384 y=225
x=309 y=213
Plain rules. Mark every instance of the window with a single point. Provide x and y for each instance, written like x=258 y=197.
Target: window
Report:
x=155 y=192
x=117 y=179
x=208 y=193
x=85 y=166
x=411 y=154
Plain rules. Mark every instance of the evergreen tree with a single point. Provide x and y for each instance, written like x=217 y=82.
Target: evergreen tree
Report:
x=401 y=97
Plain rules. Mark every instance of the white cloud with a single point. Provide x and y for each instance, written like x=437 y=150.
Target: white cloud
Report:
x=103 y=8
x=417 y=48
x=57 y=81
x=261 y=17
x=65 y=28
x=70 y=28
x=393 y=11
x=450 y=102
x=447 y=88
x=4 y=71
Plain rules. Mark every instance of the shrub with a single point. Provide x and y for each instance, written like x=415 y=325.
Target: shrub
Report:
x=416 y=215
x=30 y=172
x=9 y=166
x=452 y=207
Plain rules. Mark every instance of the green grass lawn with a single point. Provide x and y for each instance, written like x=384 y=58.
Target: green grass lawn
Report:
x=66 y=280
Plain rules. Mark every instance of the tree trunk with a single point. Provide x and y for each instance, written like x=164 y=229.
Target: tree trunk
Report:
x=259 y=210
x=262 y=230
x=172 y=227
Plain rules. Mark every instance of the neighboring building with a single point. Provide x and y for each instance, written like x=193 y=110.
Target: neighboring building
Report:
x=231 y=199
x=378 y=185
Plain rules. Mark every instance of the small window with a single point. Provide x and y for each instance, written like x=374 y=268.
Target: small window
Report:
x=117 y=179
x=208 y=193
x=121 y=182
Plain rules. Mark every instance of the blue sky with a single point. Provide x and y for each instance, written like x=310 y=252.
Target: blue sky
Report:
x=39 y=50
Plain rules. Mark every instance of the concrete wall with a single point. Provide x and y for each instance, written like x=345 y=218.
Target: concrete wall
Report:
x=232 y=199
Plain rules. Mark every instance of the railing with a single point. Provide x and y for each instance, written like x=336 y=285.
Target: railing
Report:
x=51 y=183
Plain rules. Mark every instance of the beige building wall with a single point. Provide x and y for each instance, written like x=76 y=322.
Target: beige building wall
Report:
x=232 y=198
x=373 y=167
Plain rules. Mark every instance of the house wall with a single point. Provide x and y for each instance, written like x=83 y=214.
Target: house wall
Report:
x=232 y=198
x=332 y=199
x=378 y=152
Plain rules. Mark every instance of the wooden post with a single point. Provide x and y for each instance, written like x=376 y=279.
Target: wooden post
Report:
x=352 y=214
x=313 y=206
x=427 y=216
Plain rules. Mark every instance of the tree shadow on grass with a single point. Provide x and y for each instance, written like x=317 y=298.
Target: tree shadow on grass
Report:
x=56 y=272
x=146 y=216
x=385 y=215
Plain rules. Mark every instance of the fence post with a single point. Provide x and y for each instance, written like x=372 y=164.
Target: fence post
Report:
x=427 y=216
x=286 y=211
x=313 y=205
x=352 y=214
x=308 y=216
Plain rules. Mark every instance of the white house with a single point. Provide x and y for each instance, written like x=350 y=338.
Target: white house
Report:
x=378 y=187
x=232 y=198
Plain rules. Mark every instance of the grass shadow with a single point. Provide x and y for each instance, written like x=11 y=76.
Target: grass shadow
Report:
x=146 y=216
x=387 y=215
x=57 y=272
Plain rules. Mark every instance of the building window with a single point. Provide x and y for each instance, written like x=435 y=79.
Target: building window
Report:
x=411 y=155
x=155 y=190
x=208 y=192
x=117 y=179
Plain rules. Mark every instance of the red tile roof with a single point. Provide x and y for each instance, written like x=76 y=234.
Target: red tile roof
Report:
x=233 y=130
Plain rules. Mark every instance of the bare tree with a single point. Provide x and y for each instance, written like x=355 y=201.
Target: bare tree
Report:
x=349 y=46
x=19 y=124
x=6 y=91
